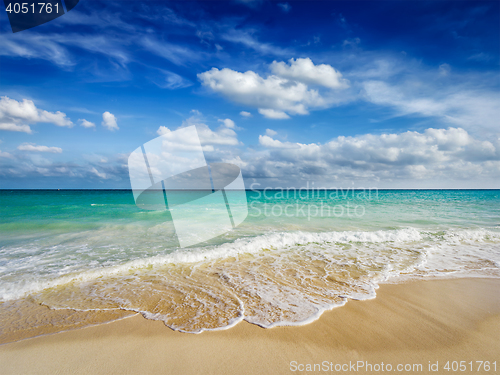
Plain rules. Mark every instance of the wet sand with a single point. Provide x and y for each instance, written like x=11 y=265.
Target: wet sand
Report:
x=416 y=323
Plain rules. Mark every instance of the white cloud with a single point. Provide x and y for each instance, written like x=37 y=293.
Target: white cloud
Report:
x=98 y=174
x=304 y=70
x=267 y=141
x=54 y=47
x=224 y=135
x=235 y=160
x=245 y=114
x=467 y=100
x=33 y=147
x=16 y=128
x=5 y=155
x=109 y=121
x=278 y=97
x=273 y=114
x=162 y=130
x=271 y=132
x=35 y=46
x=86 y=124
x=228 y=123
x=285 y=7
x=433 y=155
x=17 y=115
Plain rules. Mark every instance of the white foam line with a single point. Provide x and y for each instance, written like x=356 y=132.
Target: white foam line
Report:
x=276 y=241
x=239 y=246
x=312 y=318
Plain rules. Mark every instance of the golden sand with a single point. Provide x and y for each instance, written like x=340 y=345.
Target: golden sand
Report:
x=421 y=322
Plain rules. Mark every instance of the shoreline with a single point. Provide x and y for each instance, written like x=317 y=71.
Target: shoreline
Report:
x=417 y=322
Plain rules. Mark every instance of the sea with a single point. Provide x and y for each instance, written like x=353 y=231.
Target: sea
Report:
x=67 y=256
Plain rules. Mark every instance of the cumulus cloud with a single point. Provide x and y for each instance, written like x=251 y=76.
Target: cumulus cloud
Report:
x=284 y=93
x=224 y=135
x=10 y=126
x=33 y=147
x=18 y=115
x=228 y=123
x=162 y=130
x=86 y=124
x=466 y=100
x=252 y=89
x=435 y=154
x=245 y=114
x=304 y=70
x=267 y=141
x=109 y=121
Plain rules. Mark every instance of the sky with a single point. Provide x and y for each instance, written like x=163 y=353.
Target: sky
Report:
x=332 y=94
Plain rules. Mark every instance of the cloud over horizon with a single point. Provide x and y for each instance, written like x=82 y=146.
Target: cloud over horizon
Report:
x=434 y=154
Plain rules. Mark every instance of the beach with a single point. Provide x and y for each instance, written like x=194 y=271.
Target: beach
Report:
x=90 y=283
x=428 y=322
x=250 y=187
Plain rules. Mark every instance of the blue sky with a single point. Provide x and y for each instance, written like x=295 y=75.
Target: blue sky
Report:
x=381 y=94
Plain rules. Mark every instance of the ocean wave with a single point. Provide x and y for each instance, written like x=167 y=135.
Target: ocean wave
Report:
x=378 y=255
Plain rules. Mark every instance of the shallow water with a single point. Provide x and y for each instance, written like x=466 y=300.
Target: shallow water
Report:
x=297 y=254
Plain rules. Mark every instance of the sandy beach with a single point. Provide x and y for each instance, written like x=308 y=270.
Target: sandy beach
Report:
x=417 y=323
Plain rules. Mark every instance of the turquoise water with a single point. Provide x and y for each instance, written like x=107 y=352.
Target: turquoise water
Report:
x=297 y=253
x=40 y=213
